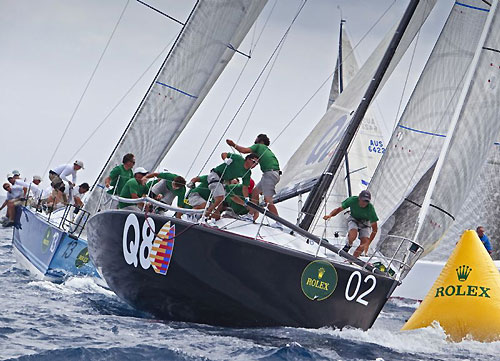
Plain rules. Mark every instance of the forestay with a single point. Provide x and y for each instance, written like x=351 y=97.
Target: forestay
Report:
x=310 y=160
x=201 y=52
x=364 y=154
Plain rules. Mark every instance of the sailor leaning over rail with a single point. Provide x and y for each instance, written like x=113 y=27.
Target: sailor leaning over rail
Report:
x=167 y=188
x=269 y=166
x=362 y=220
x=199 y=194
x=60 y=174
x=134 y=188
x=15 y=196
x=233 y=167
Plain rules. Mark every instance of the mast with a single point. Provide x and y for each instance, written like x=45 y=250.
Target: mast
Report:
x=340 y=61
x=317 y=194
x=454 y=121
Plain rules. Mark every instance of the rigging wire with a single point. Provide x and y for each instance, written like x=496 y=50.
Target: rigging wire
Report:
x=86 y=87
x=255 y=83
x=161 y=12
x=232 y=90
x=122 y=98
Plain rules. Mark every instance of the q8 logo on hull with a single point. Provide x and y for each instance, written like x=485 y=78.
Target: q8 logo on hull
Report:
x=147 y=248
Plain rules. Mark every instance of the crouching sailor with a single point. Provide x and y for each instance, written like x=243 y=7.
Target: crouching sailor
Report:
x=362 y=221
x=199 y=194
x=234 y=167
x=170 y=186
x=134 y=189
x=15 y=195
x=60 y=174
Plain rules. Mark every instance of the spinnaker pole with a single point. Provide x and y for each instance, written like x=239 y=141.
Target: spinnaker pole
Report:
x=317 y=195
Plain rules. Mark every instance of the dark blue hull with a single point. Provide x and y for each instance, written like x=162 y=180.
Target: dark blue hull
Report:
x=48 y=250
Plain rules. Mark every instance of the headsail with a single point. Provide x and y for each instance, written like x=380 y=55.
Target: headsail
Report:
x=364 y=154
x=475 y=128
x=310 y=160
x=404 y=174
x=201 y=52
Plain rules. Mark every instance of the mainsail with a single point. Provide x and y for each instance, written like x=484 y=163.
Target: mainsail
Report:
x=408 y=177
x=364 y=154
x=205 y=45
x=311 y=159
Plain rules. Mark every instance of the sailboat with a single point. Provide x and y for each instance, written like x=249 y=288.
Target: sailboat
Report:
x=239 y=273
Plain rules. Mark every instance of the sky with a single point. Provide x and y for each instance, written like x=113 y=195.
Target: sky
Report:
x=50 y=49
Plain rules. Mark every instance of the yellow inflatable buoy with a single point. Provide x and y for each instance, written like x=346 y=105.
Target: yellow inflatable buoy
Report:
x=465 y=299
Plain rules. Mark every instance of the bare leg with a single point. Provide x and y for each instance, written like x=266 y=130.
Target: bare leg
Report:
x=351 y=236
x=365 y=242
x=11 y=211
x=200 y=206
x=270 y=205
x=216 y=203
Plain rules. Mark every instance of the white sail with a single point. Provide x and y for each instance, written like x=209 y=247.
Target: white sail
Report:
x=475 y=128
x=482 y=208
x=201 y=52
x=364 y=154
x=311 y=158
x=398 y=186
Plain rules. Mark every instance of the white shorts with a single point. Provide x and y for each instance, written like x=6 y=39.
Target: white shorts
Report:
x=215 y=185
x=364 y=228
x=267 y=184
x=195 y=199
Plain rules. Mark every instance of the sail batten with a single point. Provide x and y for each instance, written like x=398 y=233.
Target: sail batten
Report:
x=205 y=45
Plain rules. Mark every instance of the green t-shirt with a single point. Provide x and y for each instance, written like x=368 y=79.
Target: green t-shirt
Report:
x=234 y=170
x=267 y=159
x=180 y=193
x=123 y=174
x=132 y=186
x=361 y=214
x=202 y=188
x=235 y=190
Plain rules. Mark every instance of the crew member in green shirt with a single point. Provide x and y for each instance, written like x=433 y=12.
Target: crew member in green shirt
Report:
x=120 y=174
x=198 y=196
x=233 y=167
x=169 y=186
x=134 y=189
x=362 y=220
x=236 y=201
x=269 y=166
x=117 y=178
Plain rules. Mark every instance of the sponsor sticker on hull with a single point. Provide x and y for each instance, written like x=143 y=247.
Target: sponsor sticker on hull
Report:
x=319 y=280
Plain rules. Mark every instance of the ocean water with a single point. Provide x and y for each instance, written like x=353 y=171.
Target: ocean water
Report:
x=79 y=320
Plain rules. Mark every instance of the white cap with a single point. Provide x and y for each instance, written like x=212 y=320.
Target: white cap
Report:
x=16 y=172
x=80 y=163
x=37 y=177
x=140 y=170
x=10 y=175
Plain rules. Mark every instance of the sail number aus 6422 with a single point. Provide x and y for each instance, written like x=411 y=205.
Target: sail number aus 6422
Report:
x=353 y=287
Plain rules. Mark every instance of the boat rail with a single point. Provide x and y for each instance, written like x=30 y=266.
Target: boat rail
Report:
x=406 y=253
x=74 y=220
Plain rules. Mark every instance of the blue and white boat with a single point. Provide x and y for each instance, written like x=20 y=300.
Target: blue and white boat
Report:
x=51 y=246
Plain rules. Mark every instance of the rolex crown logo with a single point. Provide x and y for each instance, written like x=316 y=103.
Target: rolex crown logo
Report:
x=463 y=272
x=321 y=272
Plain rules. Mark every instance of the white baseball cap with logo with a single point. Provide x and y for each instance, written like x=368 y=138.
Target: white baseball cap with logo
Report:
x=140 y=170
x=79 y=163
x=10 y=175
x=37 y=177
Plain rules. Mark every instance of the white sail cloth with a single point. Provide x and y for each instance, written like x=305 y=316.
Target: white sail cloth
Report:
x=417 y=140
x=198 y=57
x=365 y=153
x=311 y=158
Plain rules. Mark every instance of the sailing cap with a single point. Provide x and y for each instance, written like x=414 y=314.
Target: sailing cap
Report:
x=80 y=163
x=140 y=170
x=10 y=175
x=37 y=177
x=16 y=172
x=365 y=196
